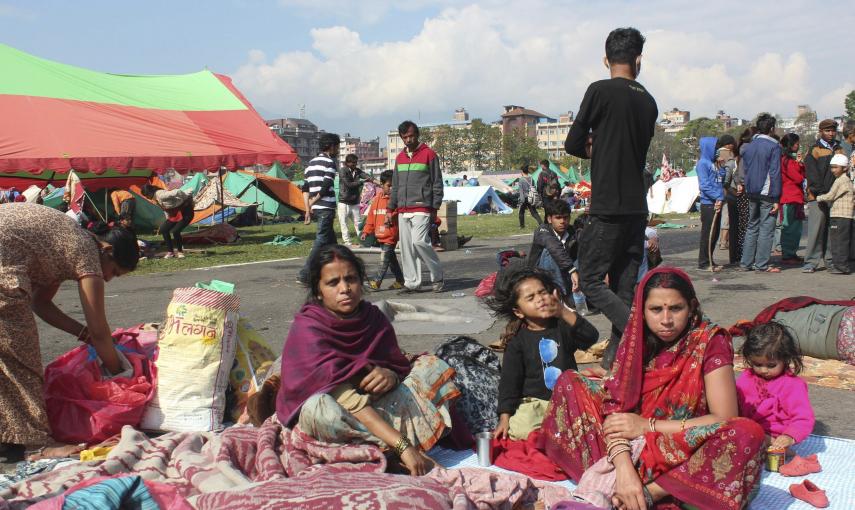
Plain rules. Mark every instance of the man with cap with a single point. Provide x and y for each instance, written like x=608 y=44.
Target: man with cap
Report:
x=819 y=181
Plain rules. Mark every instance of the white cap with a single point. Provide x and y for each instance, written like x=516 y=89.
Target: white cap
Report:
x=839 y=160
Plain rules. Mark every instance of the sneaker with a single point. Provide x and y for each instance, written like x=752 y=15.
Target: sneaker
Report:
x=801 y=466
x=438 y=286
x=374 y=284
x=834 y=270
x=169 y=255
x=808 y=492
x=808 y=269
x=396 y=286
x=180 y=255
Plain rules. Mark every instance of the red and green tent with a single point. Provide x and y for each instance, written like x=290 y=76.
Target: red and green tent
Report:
x=115 y=130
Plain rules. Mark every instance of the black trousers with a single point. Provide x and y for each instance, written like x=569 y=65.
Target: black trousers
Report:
x=710 y=228
x=839 y=236
x=611 y=246
x=172 y=229
x=527 y=206
x=390 y=261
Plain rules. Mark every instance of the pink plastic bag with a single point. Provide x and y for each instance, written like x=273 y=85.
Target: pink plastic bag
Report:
x=485 y=288
x=84 y=408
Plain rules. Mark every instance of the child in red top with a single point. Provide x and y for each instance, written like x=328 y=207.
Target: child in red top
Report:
x=386 y=233
x=792 y=198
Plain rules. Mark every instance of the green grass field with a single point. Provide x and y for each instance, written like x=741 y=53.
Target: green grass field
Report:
x=251 y=247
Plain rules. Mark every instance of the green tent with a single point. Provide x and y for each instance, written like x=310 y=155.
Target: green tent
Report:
x=195 y=184
x=248 y=189
x=147 y=216
x=277 y=171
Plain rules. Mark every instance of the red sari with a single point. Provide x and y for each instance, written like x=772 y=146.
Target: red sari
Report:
x=711 y=467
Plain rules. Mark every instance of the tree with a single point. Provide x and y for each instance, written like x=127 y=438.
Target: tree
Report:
x=849 y=104
x=519 y=149
x=295 y=171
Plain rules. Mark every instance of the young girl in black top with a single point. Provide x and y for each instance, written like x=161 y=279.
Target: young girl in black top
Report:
x=542 y=336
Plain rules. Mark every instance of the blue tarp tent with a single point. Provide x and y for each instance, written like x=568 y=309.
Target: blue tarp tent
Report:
x=475 y=198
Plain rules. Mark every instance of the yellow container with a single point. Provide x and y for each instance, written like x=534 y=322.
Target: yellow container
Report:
x=775 y=458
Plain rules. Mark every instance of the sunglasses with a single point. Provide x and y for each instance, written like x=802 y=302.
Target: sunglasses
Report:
x=548 y=352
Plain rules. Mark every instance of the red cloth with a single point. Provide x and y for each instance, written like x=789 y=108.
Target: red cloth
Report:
x=526 y=457
x=485 y=288
x=789 y=304
x=323 y=351
x=792 y=176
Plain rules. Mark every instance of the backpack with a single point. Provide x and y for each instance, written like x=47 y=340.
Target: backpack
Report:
x=477 y=376
x=533 y=197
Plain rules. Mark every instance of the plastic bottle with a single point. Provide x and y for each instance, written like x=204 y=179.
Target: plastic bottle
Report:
x=581 y=304
x=468 y=251
x=458 y=294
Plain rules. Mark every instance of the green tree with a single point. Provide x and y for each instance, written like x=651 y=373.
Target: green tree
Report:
x=449 y=145
x=849 y=104
x=296 y=171
x=519 y=149
x=481 y=145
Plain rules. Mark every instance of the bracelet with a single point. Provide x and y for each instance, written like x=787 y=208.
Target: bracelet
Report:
x=82 y=331
x=682 y=425
x=402 y=445
x=620 y=450
x=615 y=442
x=651 y=422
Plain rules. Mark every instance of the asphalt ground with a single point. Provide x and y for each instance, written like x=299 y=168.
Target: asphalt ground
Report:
x=270 y=296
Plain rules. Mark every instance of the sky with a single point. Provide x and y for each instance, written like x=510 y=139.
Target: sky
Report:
x=361 y=67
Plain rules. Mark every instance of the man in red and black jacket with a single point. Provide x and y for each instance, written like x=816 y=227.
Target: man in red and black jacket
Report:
x=416 y=196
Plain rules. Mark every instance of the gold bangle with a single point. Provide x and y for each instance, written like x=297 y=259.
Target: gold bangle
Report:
x=682 y=424
x=652 y=423
x=402 y=445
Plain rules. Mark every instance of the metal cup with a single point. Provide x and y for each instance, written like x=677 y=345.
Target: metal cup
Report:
x=482 y=445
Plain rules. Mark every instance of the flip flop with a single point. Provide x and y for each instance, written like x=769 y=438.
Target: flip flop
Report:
x=772 y=269
x=497 y=346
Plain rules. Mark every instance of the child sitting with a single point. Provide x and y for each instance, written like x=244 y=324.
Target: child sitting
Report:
x=553 y=247
x=386 y=234
x=541 y=338
x=840 y=229
x=770 y=392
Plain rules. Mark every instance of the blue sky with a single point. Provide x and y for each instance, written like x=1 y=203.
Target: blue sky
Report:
x=361 y=67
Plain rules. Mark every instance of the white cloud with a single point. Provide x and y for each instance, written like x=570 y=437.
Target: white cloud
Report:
x=537 y=54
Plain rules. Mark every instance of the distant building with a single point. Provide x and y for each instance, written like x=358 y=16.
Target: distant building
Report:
x=520 y=117
x=675 y=120
x=355 y=145
x=461 y=114
x=301 y=134
x=728 y=121
x=551 y=135
x=374 y=165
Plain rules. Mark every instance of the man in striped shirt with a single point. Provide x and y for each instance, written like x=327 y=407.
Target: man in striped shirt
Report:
x=320 y=181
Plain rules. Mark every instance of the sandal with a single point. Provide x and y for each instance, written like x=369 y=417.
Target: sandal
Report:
x=772 y=269
x=497 y=346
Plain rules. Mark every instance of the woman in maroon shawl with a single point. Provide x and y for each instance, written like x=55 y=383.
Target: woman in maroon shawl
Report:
x=671 y=393
x=344 y=378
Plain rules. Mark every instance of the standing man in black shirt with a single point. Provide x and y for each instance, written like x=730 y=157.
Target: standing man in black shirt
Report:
x=620 y=115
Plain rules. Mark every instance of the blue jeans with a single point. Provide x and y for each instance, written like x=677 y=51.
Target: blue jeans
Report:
x=325 y=235
x=548 y=264
x=759 y=235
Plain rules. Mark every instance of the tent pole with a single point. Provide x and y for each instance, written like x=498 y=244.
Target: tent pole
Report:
x=86 y=196
x=255 y=176
x=222 y=205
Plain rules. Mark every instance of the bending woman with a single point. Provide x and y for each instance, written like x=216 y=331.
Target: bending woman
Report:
x=178 y=205
x=673 y=391
x=39 y=249
x=344 y=379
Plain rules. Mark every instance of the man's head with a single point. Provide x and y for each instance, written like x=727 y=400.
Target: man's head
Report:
x=524 y=169
x=623 y=48
x=544 y=164
x=828 y=130
x=465 y=178
x=838 y=164
x=409 y=133
x=350 y=161
x=557 y=215
x=848 y=131
x=386 y=181
x=329 y=144
x=765 y=124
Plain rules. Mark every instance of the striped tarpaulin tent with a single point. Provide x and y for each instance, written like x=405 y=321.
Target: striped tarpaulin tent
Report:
x=58 y=117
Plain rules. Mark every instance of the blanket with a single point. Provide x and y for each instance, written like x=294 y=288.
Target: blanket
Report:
x=437 y=316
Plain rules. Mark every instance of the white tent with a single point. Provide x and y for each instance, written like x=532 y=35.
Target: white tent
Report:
x=673 y=196
x=497 y=184
x=475 y=198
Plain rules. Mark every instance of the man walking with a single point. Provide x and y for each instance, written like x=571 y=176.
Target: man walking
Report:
x=620 y=115
x=819 y=181
x=320 y=182
x=350 y=179
x=529 y=197
x=762 y=162
x=416 y=196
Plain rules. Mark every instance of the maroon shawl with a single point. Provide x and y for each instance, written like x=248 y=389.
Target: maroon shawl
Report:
x=323 y=351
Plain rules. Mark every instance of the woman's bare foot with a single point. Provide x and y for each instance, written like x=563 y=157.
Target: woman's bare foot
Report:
x=55 y=451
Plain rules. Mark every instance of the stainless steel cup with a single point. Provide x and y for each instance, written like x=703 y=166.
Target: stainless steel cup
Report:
x=482 y=445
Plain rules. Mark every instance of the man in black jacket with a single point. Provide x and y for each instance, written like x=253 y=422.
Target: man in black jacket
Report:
x=350 y=179
x=819 y=181
x=553 y=246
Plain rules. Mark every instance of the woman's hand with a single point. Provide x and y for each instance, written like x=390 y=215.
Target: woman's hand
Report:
x=503 y=427
x=629 y=491
x=574 y=278
x=416 y=462
x=624 y=425
x=782 y=442
x=379 y=381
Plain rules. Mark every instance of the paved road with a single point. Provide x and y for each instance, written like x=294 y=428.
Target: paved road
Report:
x=270 y=297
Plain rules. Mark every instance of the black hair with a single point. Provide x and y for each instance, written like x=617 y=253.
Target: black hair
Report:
x=668 y=280
x=148 y=191
x=545 y=162
x=328 y=141
x=557 y=208
x=788 y=141
x=624 y=45
x=765 y=123
x=324 y=256
x=405 y=126
x=773 y=341
x=126 y=251
x=524 y=169
x=725 y=140
x=351 y=157
x=505 y=295
x=848 y=128
x=386 y=176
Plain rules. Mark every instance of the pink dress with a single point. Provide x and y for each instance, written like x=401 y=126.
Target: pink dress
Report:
x=780 y=406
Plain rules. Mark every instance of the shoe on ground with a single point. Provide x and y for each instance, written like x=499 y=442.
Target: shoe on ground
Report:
x=396 y=286
x=374 y=284
x=808 y=492
x=180 y=255
x=808 y=269
x=801 y=466
x=715 y=268
x=745 y=269
x=406 y=291
x=438 y=286
x=169 y=255
x=835 y=270
x=792 y=260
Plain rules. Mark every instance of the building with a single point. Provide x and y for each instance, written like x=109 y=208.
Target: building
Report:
x=374 y=165
x=461 y=114
x=552 y=134
x=301 y=134
x=519 y=117
x=728 y=121
x=355 y=145
x=675 y=120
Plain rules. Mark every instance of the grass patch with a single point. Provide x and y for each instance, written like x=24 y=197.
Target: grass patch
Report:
x=251 y=247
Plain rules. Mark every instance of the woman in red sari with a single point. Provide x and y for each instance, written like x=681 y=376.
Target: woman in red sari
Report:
x=672 y=386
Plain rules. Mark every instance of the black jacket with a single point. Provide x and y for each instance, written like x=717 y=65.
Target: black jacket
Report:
x=817 y=167
x=349 y=182
x=563 y=255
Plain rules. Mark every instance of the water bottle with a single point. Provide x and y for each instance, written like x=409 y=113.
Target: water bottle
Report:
x=468 y=251
x=581 y=305
x=458 y=294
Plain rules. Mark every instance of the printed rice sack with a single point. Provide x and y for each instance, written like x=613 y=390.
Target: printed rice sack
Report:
x=196 y=350
x=253 y=357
